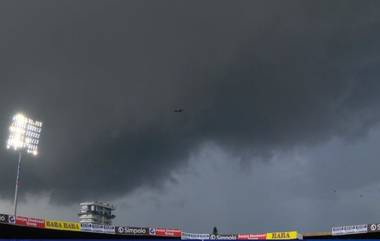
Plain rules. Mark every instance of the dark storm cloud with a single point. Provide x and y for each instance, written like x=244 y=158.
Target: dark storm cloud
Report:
x=105 y=77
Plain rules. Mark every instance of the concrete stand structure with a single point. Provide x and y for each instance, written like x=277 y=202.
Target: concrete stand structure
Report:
x=96 y=213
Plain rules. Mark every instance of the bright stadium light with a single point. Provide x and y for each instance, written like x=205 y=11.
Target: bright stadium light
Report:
x=24 y=134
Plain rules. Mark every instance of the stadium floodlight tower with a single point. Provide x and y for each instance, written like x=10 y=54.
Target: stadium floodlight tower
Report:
x=24 y=134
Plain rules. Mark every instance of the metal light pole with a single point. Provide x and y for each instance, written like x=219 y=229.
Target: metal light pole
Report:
x=24 y=137
x=17 y=184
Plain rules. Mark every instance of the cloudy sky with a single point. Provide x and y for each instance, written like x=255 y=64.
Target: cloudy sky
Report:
x=281 y=123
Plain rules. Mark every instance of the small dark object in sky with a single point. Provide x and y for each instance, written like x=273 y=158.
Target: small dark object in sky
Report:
x=361 y=195
x=178 y=110
x=215 y=231
x=334 y=191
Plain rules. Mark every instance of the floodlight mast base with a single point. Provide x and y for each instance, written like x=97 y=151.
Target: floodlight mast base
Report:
x=17 y=184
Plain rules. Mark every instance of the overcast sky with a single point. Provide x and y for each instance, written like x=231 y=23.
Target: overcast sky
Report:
x=280 y=128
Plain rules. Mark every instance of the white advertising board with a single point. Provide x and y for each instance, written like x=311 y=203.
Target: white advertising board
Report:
x=351 y=229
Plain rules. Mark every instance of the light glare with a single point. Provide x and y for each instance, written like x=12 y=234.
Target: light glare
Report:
x=24 y=134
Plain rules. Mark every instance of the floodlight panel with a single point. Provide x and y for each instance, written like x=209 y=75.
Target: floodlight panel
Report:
x=17 y=132
x=24 y=134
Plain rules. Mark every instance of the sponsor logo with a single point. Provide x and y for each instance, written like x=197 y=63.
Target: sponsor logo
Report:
x=168 y=232
x=4 y=218
x=98 y=228
x=30 y=222
x=86 y=227
x=109 y=229
x=186 y=236
x=11 y=219
x=152 y=231
x=352 y=229
x=373 y=227
x=136 y=231
x=61 y=225
x=282 y=235
x=120 y=229
x=226 y=236
x=173 y=232
x=252 y=236
x=132 y=230
x=160 y=231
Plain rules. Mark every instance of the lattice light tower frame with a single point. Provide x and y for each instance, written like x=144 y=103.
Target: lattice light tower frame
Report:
x=24 y=135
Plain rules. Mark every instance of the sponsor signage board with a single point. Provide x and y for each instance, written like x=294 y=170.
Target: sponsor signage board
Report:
x=4 y=218
x=374 y=227
x=195 y=236
x=223 y=237
x=164 y=232
x=351 y=229
x=282 y=235
x=97 y=228
x=30 y=222
x=261 y=236
x=132 y=230
x=62 y=225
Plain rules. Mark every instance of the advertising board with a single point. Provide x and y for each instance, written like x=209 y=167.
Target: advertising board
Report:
x=4 y=218
x=350 y=229
x=261 y=236
x=62 y=225
x=374 y=227
x=97 y=228
x=164 y=232
x=131 y=230
x=223 y=237
x=30 y=222
x=194 y=236
x=282 y=235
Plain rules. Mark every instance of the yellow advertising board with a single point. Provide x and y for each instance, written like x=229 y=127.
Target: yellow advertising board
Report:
x=282 y=235
x=62 y=225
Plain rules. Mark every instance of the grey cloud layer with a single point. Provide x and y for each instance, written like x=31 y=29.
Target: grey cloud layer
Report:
x=252 y=77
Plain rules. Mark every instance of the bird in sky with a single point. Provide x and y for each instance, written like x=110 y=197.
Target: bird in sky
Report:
x=178 y=110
